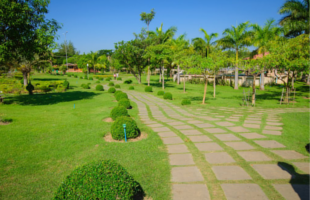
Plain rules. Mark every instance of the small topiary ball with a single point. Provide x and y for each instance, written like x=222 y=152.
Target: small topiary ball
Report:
x=100 y=79
x=159 y=93
x=129 y=81
x=99 y=87
x=121 y=95
x=111 y=90
x=119 y=79
x=117 y=92
x=168 y=95
x=91 y=78
x=103 y=179
x=66 y=84
x=118 y=111
x=125 y=103
x=186 y=102
x=75 y=76
x=111 y=84
x=108 y=79
x=131 y=88
x=117 y=86
x=117 y=129
x=148 y=89
x=81 y=77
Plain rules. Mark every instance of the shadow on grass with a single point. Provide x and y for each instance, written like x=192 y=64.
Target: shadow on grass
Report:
x=50 y=98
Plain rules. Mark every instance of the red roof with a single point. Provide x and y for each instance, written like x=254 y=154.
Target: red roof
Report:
x=257 y=56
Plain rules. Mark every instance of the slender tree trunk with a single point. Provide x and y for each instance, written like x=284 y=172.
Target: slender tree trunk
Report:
x=253 y=90
x=163 y=81
x=25 y=75
x=293 y=77
x=139 y=79
x=205 y=90
x=236 y=71
x=214 y=85
x=160 y=74
x=308 y=79
x=178 y=75
x=148 y=78
x=184 y=83
x=287 y=87
x=262 y=82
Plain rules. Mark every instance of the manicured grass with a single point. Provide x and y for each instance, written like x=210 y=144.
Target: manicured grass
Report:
x=48 y=138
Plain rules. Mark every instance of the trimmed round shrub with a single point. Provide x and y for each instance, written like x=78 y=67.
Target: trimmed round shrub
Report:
x=121 y=95
x=99 y=87
x=100 y=79
x=66 y=84
x=117 y=92
x=118 y=111
x=148 y=89
x=129 y=81
x=97 y=81
x=160 y=93
x=91 y=78
x=117 y=129
x=85 y=86
x=85 y=77
x=81 y=77
x=111 y=90
x=186 y=102
x=168 y=95
x=103 y=179
x=117 y=86
x=75 y=76
x=88 y=83
x=119 y=79
x=131 y=88
x=69 y=75
x=111 y=84
x=108 y=79
x=125 y=103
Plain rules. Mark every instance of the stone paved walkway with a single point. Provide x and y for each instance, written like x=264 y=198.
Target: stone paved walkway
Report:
x=227 y=155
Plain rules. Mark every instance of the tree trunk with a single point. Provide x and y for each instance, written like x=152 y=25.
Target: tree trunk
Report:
x=262 y=81
x=160 y=74
x=163 y=81
x=25 y=75
x=253 y=90
x=308 y=79
x=214 y=85
x=293 y=77
x=236 y=72
x=205 y=90
x=178 y=75
x=184 y=84
x=148 y=78
x=139 y=78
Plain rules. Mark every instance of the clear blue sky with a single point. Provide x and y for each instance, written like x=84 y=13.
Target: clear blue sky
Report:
x=98 y=24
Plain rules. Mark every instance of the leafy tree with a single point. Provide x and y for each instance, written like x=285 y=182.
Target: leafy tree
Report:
x=296 y=19
x=71 y=50
x=236 y=38
x=147 y=17
x=97 y=61
x=205 y=42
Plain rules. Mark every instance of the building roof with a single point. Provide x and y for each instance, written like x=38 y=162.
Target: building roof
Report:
x=257 y=56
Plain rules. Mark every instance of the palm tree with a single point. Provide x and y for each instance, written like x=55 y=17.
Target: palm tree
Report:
x=236 y=38
x=96 y=60
x=261 y=37
x=206 y=42
x=296 y=19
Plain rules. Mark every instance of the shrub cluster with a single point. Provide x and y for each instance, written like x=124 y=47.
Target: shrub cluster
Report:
x=131 y=88
x=119 y=79
x=117 y=129
x=129 y=81
x=148 y=89
x=124 y=102
x=168 y=95
x=104 y=179
x=111 y=84
x=186 y=102
x=99 y=88
x=121 y=95
x=111 y=90
x=117 y=86
x=117 y=92
x=118 y=111
x=160 y=93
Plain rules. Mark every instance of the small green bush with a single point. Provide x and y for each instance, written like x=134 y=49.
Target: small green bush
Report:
x=111 y=90
x=100 y=79
x=69 y=75
x=6 y=120
x=124 y=102
x=66 y=84
x=118 y=111
x=85 y=77
x=108 y=79
x=117 y=86
x=45 y=88
x=131 y=88
x=120 y=96
x=97 y=81
x=117 y=129
x=81 y=77
x=111 y=84
x=103 y=179
x=119 y=79
x=75 y=76
x=168 y=95
x=99 y=88
x=117 y=92
x=186 y=102
x=129 y=81
x=160 y=93
x=85 y=86
x=91 y=78
x=30 y=88
x=148 y=89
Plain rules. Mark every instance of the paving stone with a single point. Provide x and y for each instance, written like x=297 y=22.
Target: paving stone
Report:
x=225 y=124
x=185 y=119
x=226 y=137
x=190 y=191
x=209 y=118
x=303 y=166
x=219 y=158
x=269 y=143
x=273 y=127
x=181 y=159
x=175 y=123
x=186 y=174
x=172 y=140
x=191 y=132
x=195 y=122
x=238 y=129
x=254 y=156
x=252 y=122
x=239 y=145
x=274 y=123
x=204 y=125
x=251 y=125
x=289 y=154
x=243 y=191
x=252 y=135
x=183 y=127
x=272 y=132
x=149 y=122
x=230 y=173
x=232 y=120
x=155 y=125
x=161 y=129
x=271 y=171
x=199 y=138
x=167 y=134
x=293 y=192
x=215 y=130
x=211 y=146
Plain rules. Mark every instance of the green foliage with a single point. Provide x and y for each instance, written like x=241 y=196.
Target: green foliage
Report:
x=121 y=95
x=131 y=88
x=160 y=93
x=148 y=89
x=104 y=179
x=69 y=75
x=111 y=84
x=30 y=88
x=75 y=76
x=128 y=81
x=108 y=79
x=117 y=86
x=18 y=75
x=186 y=102
x=91 y=78
x=66 y=84
x=99 y=88
x=45 y=88
x=124 y=102
x=97 y=82
x=117 y=129
x=100 y=79
x=168 y=95
x=60 y=88
x=119 y=79
x=85 y=86
x=6 y=120
x=117 y=92
x=81 y=77
x=111 y=90
x=118 y=111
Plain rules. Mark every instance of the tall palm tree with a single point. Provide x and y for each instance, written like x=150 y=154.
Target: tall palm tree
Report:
x=261 y=37
x=147 y=17
x=236 y=38
x=96 y=61
x=206 y=42
x=296 y=19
